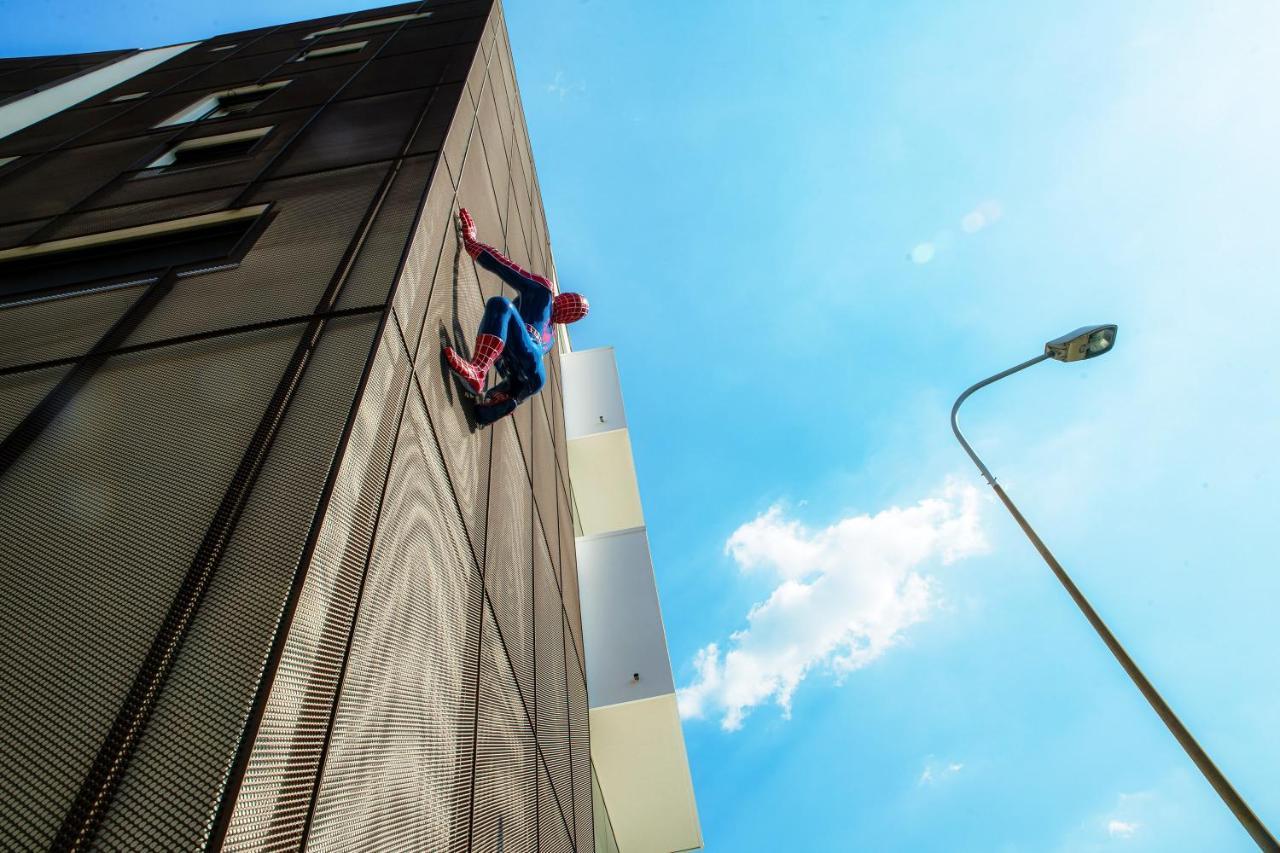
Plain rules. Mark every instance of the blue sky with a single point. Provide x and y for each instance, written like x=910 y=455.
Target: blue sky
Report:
x=742 y=192
x=805 y=228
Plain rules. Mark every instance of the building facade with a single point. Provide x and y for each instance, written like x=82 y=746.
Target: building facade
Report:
x=637 y=745
x=265 y=584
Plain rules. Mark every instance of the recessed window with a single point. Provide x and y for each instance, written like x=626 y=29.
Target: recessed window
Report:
x=209 y=150
x=221 y=47
x=317 y=52
x=5 y=161
x=126 y=252
x=132 y=96
x=232 y=102
x=364 y=25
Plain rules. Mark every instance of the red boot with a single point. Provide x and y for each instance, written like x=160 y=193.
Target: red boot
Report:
x=473 y=373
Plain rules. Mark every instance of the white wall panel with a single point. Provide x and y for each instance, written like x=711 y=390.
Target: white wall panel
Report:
x=592 y=395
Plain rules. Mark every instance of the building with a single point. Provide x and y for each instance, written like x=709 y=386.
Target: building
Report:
x=264 y=583
x=637 y=745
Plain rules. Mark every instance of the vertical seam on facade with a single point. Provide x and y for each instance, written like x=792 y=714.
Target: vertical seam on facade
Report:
x=257 y=709
x=559 y=609
x=567 y=638
x=355 y=612
x=533 y=606
x=483 y=567
x=244 y=750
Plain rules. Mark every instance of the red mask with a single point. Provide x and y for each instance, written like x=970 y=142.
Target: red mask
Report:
x=569 y=308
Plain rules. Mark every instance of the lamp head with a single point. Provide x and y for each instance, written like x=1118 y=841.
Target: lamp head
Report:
x=1085 y=342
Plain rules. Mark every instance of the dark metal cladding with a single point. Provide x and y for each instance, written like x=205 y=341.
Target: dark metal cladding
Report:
x=265 y=584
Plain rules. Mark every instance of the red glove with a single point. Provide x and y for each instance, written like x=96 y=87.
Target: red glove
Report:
x=470 y=237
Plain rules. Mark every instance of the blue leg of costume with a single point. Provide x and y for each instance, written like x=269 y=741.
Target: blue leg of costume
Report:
x=521 y=357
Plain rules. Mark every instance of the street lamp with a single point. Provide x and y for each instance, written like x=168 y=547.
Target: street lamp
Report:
x=1084 y=343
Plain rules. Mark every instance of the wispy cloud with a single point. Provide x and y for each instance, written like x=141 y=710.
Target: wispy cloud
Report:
x=843 y=596
x=936 y=771
x=1149 y=818
x=563 y=86
x=1122 y=822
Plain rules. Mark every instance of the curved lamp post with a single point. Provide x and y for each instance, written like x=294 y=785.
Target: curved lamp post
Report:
x=1090 y=342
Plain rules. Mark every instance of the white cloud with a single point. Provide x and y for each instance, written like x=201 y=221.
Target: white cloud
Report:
x=935 y=771
x=564 y=87
x=1153 y=818
x=844 y=595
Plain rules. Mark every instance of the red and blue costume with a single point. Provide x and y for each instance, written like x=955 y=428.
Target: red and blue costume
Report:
x=520 y=332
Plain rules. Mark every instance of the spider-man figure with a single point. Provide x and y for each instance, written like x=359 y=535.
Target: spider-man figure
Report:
x=519 y=332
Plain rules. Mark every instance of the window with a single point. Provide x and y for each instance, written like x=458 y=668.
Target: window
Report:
x=5 y=161
x=317 y=52
x=232 y=102
x=208 y=150
x=221 y=47
x=127 y=252
x=362 y=25
x=132 y=96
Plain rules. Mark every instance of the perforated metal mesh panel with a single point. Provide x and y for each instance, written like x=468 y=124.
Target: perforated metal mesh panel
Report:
x=508 y=573
x=378 y=660
x=43 y=331
x=12 y=235
x=192 y=738
x=506 y=791
x=94 y=219
x=22 y=392
x=290 y=265
x=398 y=770
x=279 y=782
x=552 y=687
x=373 y=274
x=452 y=316
x=424 y=258
x=544 y=483
x=569 y=572
x=580 y=752
x=377 y=127
x=553 y=828
x=50 y=185
x=105 y=511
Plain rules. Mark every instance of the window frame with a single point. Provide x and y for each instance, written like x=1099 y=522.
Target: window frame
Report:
x=364 y=25
x=202 y=108
x=255 y=218
x=168 y=164
x=331 y=50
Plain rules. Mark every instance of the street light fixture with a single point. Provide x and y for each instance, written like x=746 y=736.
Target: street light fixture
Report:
x=1084 y=343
